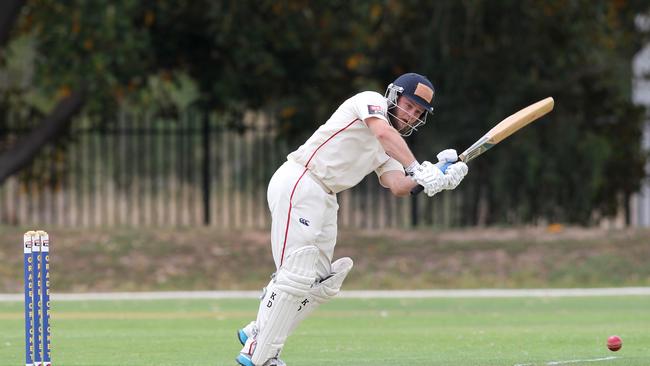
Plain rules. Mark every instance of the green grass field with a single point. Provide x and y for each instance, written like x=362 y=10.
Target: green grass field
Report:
x=473 y=331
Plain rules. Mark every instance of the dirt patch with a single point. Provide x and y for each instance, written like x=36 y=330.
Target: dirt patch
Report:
x=534 y=233
x=206 y=259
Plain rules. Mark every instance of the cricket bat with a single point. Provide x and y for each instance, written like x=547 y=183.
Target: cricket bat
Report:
x=501 y=131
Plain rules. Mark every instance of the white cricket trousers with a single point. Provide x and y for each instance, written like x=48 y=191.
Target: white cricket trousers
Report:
x=302 y=213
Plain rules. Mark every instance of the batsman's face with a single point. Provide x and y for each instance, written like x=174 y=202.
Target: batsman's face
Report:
x=407 y=112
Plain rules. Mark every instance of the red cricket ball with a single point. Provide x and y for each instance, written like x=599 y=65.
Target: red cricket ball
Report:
x=614 y=343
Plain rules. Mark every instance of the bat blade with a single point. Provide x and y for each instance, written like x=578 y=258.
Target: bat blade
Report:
x=507 y=127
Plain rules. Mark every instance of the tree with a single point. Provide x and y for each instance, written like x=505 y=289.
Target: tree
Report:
x=22 y=152
x=488 y=59
x=299 y=60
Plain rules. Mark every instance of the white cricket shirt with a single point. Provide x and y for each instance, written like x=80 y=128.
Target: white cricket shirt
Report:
x=344 y=150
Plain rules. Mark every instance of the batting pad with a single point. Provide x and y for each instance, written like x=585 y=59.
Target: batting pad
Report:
x=323 y=291
x=282 y=301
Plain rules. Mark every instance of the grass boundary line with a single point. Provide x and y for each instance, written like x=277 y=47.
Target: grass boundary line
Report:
x=353 y=294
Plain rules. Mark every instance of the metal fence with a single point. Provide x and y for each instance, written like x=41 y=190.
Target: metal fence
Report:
x=186 y=171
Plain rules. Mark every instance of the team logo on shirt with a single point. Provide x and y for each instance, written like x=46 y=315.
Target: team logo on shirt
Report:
x=375 y=109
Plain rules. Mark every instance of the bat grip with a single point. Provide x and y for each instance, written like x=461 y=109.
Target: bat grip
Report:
x=417 y=189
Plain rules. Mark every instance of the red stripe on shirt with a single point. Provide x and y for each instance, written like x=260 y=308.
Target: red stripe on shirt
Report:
x=286 y=230
x=331 y=137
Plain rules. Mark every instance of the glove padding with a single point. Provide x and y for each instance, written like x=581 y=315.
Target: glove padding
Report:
x=430 y=177
x=454 y=175
x=446 y=158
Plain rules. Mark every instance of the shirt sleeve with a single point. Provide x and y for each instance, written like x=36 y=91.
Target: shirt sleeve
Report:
x=390 y=164
x=371 y=104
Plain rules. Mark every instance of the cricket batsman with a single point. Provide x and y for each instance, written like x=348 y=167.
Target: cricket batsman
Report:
x=363 y=135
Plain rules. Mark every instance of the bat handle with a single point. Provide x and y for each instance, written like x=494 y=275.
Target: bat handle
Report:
x=417 y=189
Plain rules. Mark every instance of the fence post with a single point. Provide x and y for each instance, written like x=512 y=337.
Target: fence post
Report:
x=206 y=167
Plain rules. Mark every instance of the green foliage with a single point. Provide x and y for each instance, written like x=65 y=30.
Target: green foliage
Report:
x=300 y=59
x=490 y=59
x=103 y=45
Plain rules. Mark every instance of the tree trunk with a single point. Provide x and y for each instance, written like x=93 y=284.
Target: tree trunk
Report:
x=26 y=148
x=9 y=10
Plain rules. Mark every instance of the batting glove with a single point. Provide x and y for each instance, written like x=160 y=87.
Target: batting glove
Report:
x=455 y=174
x=430 y=177
x=446 y=158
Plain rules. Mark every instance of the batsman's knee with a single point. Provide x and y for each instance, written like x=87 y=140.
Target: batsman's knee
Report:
x=297 y=274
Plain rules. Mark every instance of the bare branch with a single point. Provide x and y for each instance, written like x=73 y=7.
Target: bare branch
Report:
x=27 y=148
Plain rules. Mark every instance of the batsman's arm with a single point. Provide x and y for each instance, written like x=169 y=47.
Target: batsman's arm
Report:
x=392 y=142
x=399 y=184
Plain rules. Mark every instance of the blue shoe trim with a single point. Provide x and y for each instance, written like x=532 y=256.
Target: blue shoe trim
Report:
x=244 y=360
x=241 y=335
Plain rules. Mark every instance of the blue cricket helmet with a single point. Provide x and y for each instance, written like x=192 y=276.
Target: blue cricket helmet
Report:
x=415 y=87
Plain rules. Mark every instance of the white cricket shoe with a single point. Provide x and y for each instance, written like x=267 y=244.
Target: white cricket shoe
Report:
x=245 y=360
x=275 y=362
x=247 y=332
x=245 y=356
